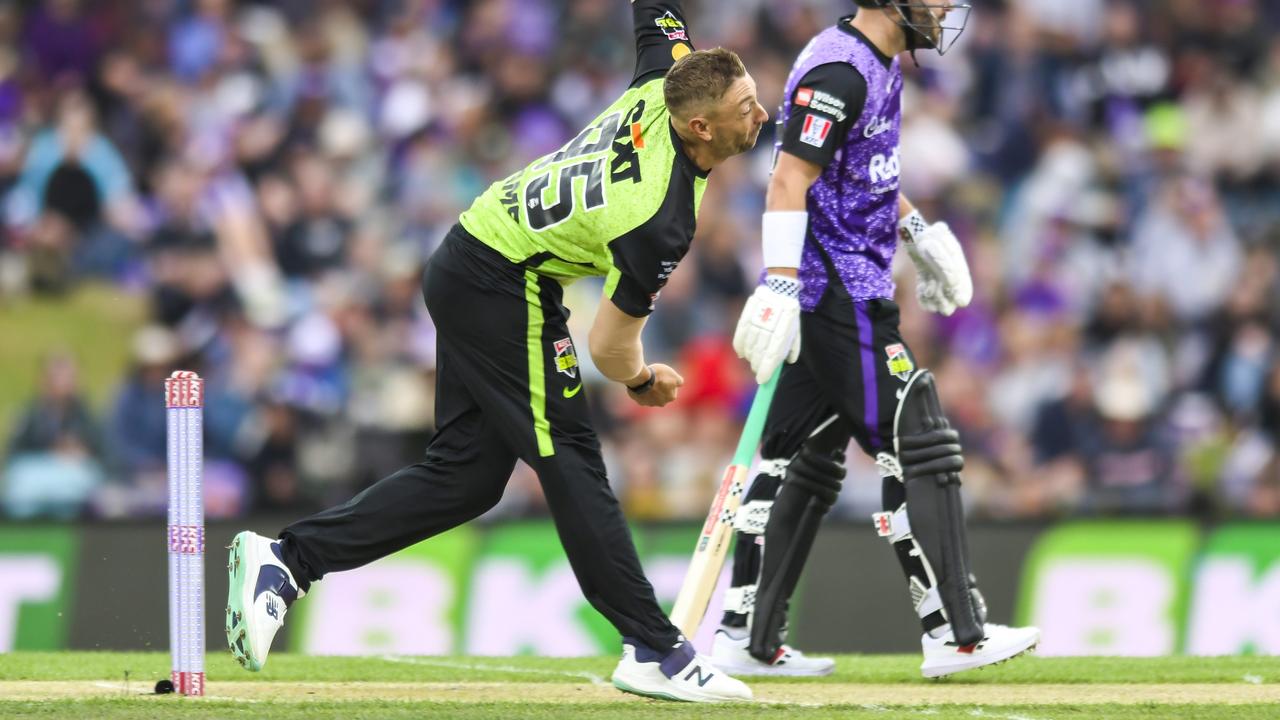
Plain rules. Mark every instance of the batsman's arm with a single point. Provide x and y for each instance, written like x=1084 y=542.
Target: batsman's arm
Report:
x=825 y=105
x=786 y=221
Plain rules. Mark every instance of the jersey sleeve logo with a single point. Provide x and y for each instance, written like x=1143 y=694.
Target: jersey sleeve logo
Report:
x=816 y=129
x=671 y=26
x=804 y=96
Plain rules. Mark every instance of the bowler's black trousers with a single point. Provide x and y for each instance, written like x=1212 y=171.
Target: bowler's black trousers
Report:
x=507 y=388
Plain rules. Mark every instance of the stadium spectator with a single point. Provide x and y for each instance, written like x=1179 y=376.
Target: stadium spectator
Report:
x=53 y=459
x=270 y=176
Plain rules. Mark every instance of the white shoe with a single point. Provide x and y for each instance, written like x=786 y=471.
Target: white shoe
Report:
x=731 y=655
x=681 y=675
x=260 y=591
x=943 y=657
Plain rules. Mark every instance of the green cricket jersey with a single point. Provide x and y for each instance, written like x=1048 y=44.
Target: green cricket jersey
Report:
x=620 y=199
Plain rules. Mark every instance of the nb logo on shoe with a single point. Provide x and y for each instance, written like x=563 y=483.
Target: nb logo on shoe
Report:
x=702 y=681
x=273 y=608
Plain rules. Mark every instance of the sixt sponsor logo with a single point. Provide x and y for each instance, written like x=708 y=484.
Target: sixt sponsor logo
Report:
x=671 y=26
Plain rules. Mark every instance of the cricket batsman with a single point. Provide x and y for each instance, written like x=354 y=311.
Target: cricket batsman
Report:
x=619 y=200
x=834 y=217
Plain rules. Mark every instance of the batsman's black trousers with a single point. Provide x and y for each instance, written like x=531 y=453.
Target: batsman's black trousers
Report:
x=507 y=387
x=853 y=361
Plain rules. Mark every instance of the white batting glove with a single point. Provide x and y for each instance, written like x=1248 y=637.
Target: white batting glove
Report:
x=938 y=257
x=769 y=329
x=929 y=294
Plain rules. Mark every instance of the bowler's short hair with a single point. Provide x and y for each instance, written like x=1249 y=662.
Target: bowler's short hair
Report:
x=699 y=79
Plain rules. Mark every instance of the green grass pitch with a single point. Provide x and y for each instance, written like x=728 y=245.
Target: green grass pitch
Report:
x=117 y=686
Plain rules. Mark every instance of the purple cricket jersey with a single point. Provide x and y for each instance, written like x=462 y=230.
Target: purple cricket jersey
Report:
x=853 y=205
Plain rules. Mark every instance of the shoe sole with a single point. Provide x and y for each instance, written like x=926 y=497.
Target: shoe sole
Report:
x=239 y=598
x=634 y=688
x=655 y=695
x=936 y=673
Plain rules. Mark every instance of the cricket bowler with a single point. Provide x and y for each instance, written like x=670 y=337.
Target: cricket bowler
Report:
x=619 y=200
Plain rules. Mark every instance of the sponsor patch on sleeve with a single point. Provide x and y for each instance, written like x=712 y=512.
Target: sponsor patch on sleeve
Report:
x=804 y=96
x=816 y=129
x=671 y=26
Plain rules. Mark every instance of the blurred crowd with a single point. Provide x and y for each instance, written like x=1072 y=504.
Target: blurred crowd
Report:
x=270 y=177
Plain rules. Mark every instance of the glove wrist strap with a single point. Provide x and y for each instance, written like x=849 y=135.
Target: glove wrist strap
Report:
x=783 y=285
x=911 y=227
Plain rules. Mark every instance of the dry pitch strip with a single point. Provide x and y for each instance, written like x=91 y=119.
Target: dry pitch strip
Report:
x=93 y=685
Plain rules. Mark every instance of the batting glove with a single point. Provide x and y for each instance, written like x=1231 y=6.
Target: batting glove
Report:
x=769 y=329
x=939 y=261
x=931 y=297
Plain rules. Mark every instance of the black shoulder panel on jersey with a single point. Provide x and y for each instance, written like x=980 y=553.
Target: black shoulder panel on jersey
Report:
x=827 y=102
x=661 y=37
x=646 y=256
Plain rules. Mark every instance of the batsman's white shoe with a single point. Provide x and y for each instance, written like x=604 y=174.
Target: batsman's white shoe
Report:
x=681 y=674
x=942 y=656
x=260 y=591
x=731 y=655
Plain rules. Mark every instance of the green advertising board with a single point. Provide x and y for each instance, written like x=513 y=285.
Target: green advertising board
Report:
x=1118 y=587
x=37 y=586
x=1235 y=606
x=410 y=603
x=1109 y=587
x=524 y=598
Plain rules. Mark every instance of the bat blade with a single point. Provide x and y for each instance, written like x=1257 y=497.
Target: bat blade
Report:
x=717 y=532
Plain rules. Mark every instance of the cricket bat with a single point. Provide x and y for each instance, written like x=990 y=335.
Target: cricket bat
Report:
x=717 y=531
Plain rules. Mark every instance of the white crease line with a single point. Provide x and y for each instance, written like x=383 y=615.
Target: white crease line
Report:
x=979 y=712
x=582 y=675
x=791 y=703
x=872 y=707
x=126 y=690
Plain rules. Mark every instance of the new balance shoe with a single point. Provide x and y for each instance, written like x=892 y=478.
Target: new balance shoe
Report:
x=260 y=592
x=680 y=674
x=942 y=656
x=731 y=655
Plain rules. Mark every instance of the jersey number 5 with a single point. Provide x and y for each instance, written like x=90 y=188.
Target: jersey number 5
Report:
x=594 y=141
x=543 y=216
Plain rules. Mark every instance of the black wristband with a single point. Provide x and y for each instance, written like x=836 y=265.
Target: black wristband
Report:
x=643 y=387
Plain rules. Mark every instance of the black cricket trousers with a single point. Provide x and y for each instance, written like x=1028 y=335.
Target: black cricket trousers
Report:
x=508 y=387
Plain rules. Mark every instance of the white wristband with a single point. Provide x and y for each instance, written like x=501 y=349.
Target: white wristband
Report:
x=782 y=234
x=911 y=226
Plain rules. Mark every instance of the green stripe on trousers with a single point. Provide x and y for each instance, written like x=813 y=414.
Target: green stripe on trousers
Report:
x=537 y=380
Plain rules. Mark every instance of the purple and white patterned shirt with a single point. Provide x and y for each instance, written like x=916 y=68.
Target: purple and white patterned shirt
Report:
x=853 y=205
